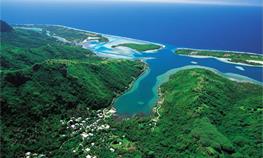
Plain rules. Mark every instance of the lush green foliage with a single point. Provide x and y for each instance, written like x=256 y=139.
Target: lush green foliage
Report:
x=69 y=34
x=140 y=47
x=54 y=97
x=45 y=82
x=22 y=48
x=203 y=115
x=57 y=88
x=231 y=56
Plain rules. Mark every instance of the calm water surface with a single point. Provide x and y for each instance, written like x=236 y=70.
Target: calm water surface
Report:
x=142 y=98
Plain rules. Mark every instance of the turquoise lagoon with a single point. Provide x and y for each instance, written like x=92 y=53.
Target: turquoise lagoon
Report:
x=143 y=95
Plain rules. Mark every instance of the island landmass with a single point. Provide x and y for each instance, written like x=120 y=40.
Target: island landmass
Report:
x=234 y=57
x=140 y=47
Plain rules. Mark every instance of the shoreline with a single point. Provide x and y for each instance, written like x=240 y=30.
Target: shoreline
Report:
x=218 y=50
x=87 y=31
x=141 y=52
x=163 y=78
x=220 y=59
x=225 y=60
x=155 y=50
x=134 y=40
x=156 y=108
x=154 y=103
x=138 y=40
x=238 y=78
x=130 y=86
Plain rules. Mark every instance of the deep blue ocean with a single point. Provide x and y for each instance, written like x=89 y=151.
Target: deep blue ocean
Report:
x=196 y=26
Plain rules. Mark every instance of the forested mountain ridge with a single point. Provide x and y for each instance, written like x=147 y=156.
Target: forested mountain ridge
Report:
x=200 y=114
x=44 y=81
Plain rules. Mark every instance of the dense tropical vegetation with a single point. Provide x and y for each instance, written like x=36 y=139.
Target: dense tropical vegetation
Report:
x=201 y=115
x=56 y=102
x=44 y=82
x=244 y=58
x=67 y=33
x=23 y=48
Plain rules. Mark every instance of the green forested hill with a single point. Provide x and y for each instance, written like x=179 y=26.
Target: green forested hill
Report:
x=69 y=34
x=44 y=81
x=214 y=116
x=57 y=89
x=55 y=97
x=202 y=115
x=22 y=48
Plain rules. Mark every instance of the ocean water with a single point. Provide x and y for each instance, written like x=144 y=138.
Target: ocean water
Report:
x=192 y=26
x=196 y=26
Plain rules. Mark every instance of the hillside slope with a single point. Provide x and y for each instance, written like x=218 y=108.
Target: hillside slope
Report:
x=45 y=81
x=214 y=116
x=22 y=48
x=202 y=115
